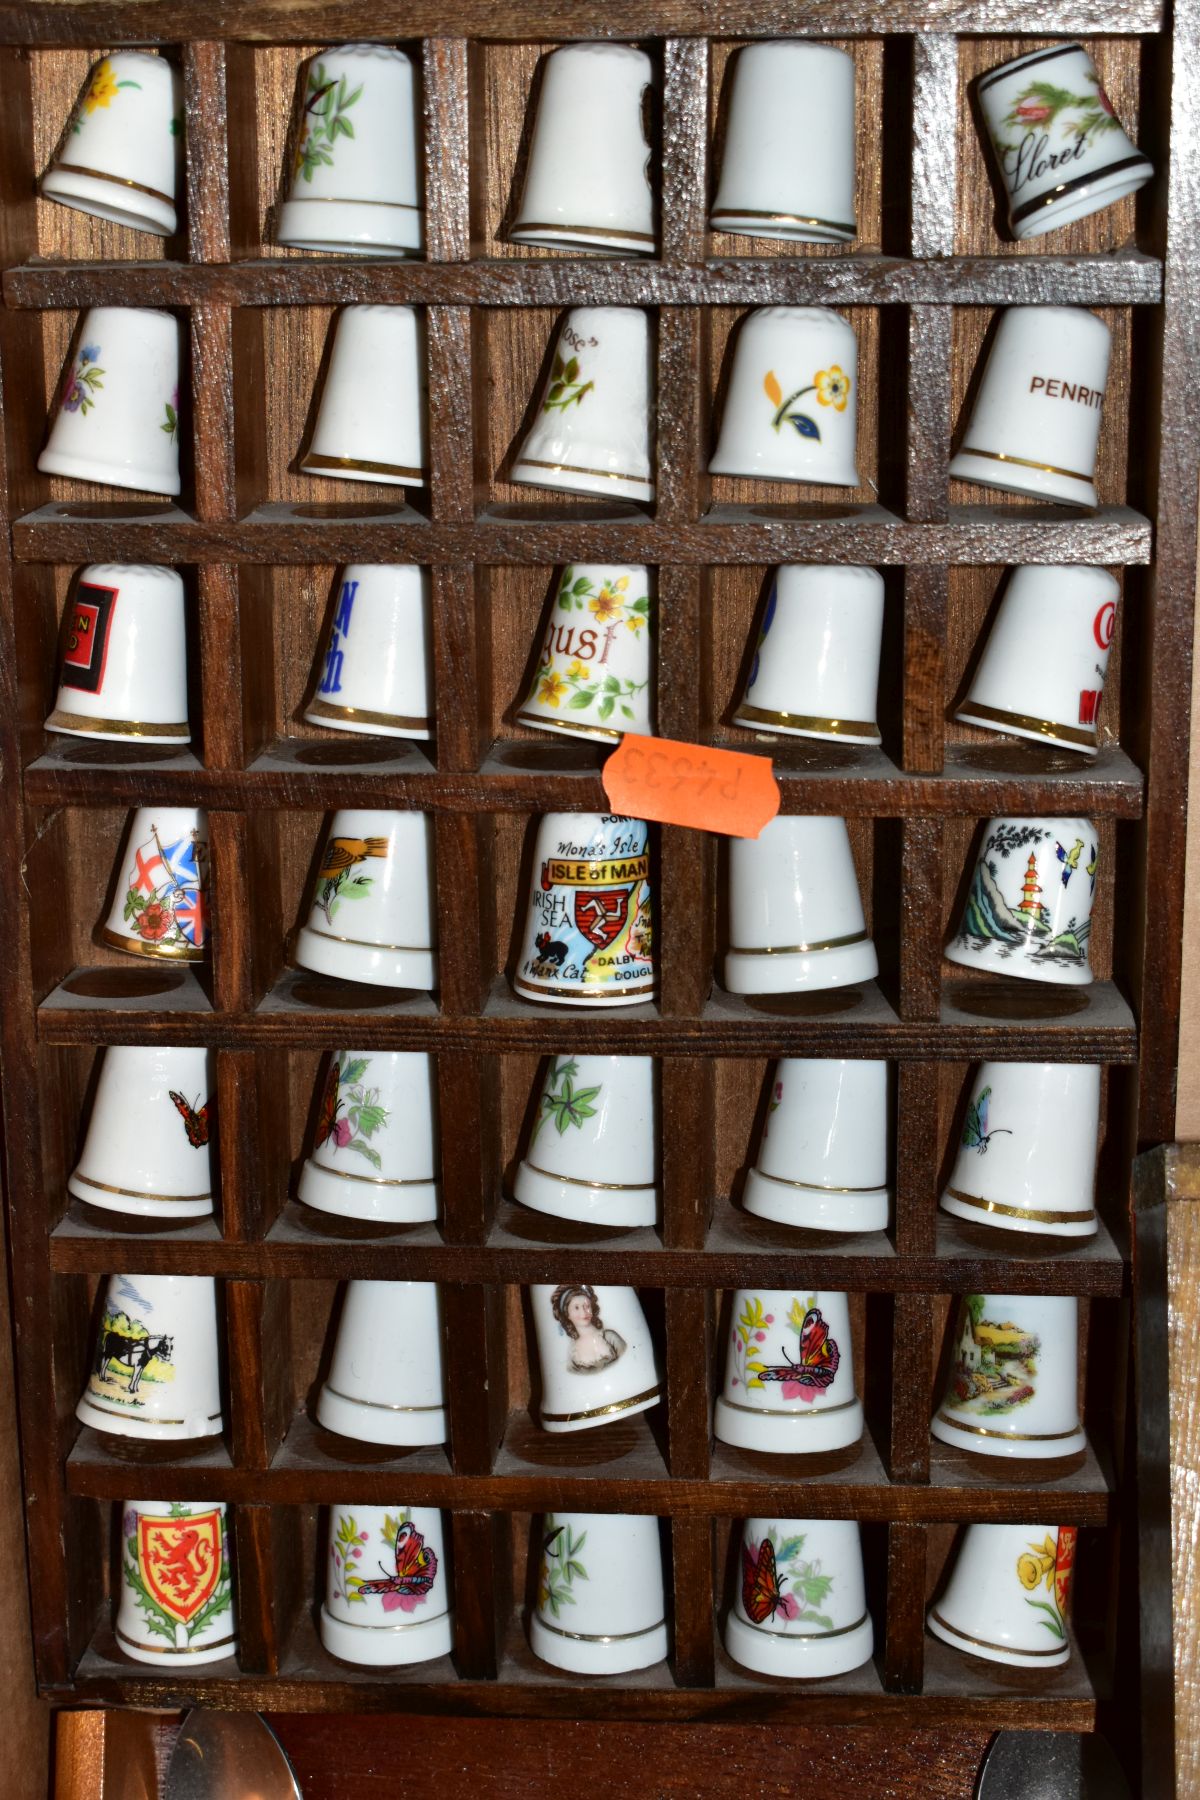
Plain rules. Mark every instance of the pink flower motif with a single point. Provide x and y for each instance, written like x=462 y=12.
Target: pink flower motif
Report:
x=770 y=1318
x=789 y=1606
x=1106 y=104
x=795 y=1390
x=734 y=1381
x=405 y=1602
x=341 y=1133
x=337 y=1561
x=356 y=1554
x=1032 y=112
x=760 y=1337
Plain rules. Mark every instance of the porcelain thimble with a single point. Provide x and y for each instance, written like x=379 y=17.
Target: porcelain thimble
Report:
x=775 y=181
x=591 y=434
x=1008 y=1595
x=597 y=1358
x=795 y=914
x=601 y=1605
x=147 y=1146
x=823 y=1155
x=356 y=186
x=589 y=930
x=154 y=1367
x=592 y=1154
x=1029 y=908
x=119 y=157
x=371 y=418
x=1035 y=425
x=160 y=907
x=1027 y=1154
x=1061 y=149
x=387 y=1586
x=1012 y=1385
x=593 y=678
x=791 y=409
x=176 y=1599
x=800 y=1603
x=815 y=671
x=123 y=662
x=117 y=414
x=374 y=1153
x=383 y=863
x=1042 y=671
x=789 y=1374
x=587 y=185
x=374 y=672
x=386 y=1382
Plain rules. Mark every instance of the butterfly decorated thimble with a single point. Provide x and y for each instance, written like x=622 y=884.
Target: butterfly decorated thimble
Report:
x=374 y=1153
x=1012 y=1388
x=593 y=677
x=371 y=418
x=386 y=1382
x=371 y=915
x=815 y=671
x=121 y=153
x=588 y=938
x=1027 y=1154
x=117 y=414
x=766 y=189
x=591 y=432
x=789 y=1374
x=823 y=1156
x=147 y=1150
x=600 y=1607
x=388 y=1589
x=791 y=409
x=1028 y=911
x=374 y=672
x=1035 y=424
x=160 y=903
x=597 y=1358
x=796 y=917
x=592 y=1153
x=176 y=1603
x=123 y=656
x=1007 y=1597
x=1041 y=674
x=800 y=1601
x=154 y=1371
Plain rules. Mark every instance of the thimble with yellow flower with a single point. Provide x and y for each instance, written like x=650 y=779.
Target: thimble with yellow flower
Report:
x=593 y=674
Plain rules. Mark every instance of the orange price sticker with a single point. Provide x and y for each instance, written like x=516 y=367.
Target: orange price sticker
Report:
x=730 y=791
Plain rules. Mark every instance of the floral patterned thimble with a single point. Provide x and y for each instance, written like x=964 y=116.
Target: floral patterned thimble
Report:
x=1028 y=911
x=374 y=673
x=791 y=410
x=593 y=677
x=388 y=1586
x=815 y=671
x=1012 y=1388
x=147 y=1150
x=796 y=916
x=789 y=1374
x=355 y=167
x=386 y=1381
x=591 y=432
x=767 y=189
x=592 y=1153
x=588 y=937
x=120 y=155
x=371 y=916
x=601 y=1606
x=596 y=1355
x=176 y=1599
x=823 y=1156
x=800 y=1601
x=154 y=1367
x=371 y=420
x=375 y=1153
x=1061 y=149
x=1008 y=1594
x=117 y=418
x=123 y=667
x=1027 y=1153
x=160 y=906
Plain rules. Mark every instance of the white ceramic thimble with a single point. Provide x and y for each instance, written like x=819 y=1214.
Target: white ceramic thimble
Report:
x=123 y=668
x=374 y=1154
x=1060 y=147
x=816 y=665
x=823 y=1156
x=800 y=1604
x=117 y=415
x=591 y=434
x=383 y=863
x=370 y=423
x=589 y=930
x=386 y=1383
x=1035 y=424
x=601 y=1607
x=789 y=1374
x=597 y=1358
x=778 y=179
x=795 y=914
x=1029 y=908
x=374 y=672
x=587 y=181
x=1008 y=1595
x=1012 y=1385
x=176 y=1599
x=387 y=1586
x=147 y=1147
x=119 y=157
x=593 y=678
x=1041 y=674
x=356 y=185
x=154 y=1364
x=791 y=409
x=160 y=906
x=593 y=1150
x=1027 y=1155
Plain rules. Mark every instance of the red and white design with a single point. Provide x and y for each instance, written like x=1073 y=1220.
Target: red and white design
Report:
x=180 y=1560
x=86 y=632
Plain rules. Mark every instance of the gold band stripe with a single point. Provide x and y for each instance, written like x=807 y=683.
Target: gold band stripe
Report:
x=611 y=1187
x=986 y=1644
x=137 y=1193
x=816 y=1187
x=1023 y=1437
x=544 y=720
x=598 y=991
x=801 y=1637
x=772 y=1412
x=313 y=461
x=379 y=1405
x=367 y=944
x=1025 y=462
x=777 y=218
x=96 y=1402
x=339 y=200
x=162 y=1650
x=598 y=1637
x=972 y=710
x=164 y=953
x=747 y=714
x=597 y=231
x=69 y=721
x=600 y=1412
x=321 y=709
x=531 y=462
x=854 y=937
x=373 y=1180
x=1021 y=1212
x=117 y=180
x=1071 y=187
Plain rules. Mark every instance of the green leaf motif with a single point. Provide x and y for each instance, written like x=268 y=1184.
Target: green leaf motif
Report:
x=353 y=1069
